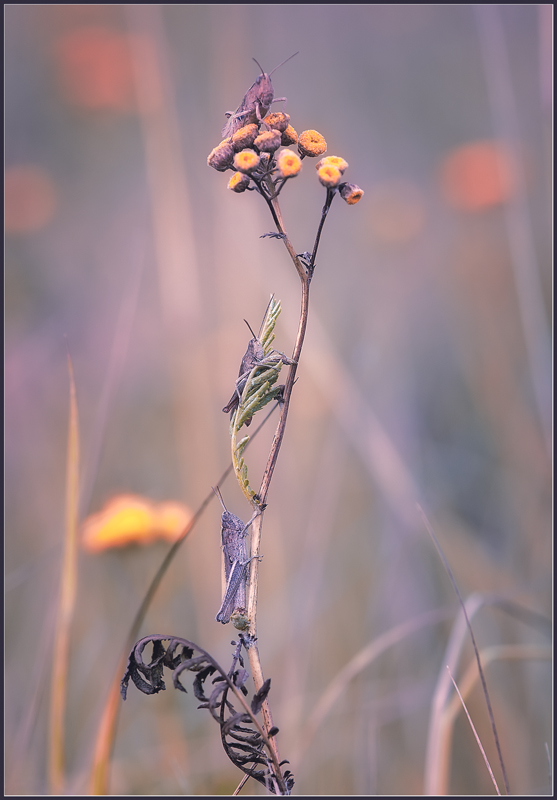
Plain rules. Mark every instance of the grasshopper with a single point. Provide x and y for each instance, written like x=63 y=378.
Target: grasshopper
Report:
x=253 y=357
x=236 y=561
x=255 y=103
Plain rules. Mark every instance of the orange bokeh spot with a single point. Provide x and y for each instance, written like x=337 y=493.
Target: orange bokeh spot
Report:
x=131 y=519
x=478 y=175
x=95 y=69
x=29 y=199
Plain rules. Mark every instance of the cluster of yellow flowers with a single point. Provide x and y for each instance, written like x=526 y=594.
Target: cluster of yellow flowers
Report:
x=253 y=153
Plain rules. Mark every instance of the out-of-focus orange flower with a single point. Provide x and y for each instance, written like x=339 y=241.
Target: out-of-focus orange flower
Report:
x=95 y=69
x=131 y=519
x=29 y=199
x=478 y=175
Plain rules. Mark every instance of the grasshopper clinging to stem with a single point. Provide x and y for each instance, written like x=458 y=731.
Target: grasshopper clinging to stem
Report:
x=254 y=357
x=236 y=561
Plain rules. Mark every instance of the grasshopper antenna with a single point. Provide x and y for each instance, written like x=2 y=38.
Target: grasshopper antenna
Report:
x=280 y=65
x=219 y=495
x=251 y=330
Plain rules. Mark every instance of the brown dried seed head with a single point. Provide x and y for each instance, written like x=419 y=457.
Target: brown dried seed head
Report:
x=246 y=161
x=268 y=141
x=221 y=156
x=288 y=163
x=351 y=193
x=329 y=176
x=277 y=120
x=289 y=137
x=333 y=161
x=311 y=143
x=239 y=182
x=245 y=137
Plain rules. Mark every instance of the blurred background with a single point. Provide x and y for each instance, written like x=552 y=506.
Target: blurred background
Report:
x=426 y=378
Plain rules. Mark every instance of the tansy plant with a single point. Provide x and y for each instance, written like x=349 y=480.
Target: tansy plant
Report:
x=263 y=157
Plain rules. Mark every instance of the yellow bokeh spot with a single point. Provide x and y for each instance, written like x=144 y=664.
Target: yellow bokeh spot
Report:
x=131 y=519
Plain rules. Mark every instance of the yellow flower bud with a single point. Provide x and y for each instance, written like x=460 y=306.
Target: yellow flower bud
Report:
x=289 y=163
x=329 y=176
x=239 y=182
x=246 y=161
x=333 y=161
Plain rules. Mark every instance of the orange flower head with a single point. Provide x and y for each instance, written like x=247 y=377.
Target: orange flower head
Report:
x=289 y=136
x=311 y=143
x=221 y=156
x=351 y=193
x=277 y=120
x=268 y=141
x=245 y=137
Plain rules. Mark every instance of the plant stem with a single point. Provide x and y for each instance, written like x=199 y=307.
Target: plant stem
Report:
x=324 y=212
x=305 y=278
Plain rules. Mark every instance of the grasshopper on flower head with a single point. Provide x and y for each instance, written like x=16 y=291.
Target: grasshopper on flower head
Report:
x=255 y=103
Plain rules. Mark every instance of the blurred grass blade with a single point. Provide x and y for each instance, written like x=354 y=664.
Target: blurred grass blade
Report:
x=360 y=661
x=473 y=640
x=106 y=734
x=454 y=705
x=474 y=731
x=68 y=583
